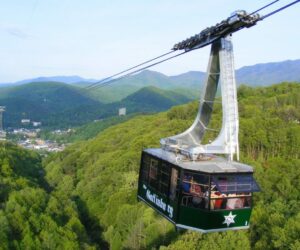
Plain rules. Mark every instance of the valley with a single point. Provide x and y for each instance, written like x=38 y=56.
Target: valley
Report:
x=86 y=194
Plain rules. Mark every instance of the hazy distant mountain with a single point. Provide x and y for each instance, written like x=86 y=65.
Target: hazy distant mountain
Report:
x=189 y=83
x=63 y=79
x=259 y=74
x=189 y=79
x=269 y=73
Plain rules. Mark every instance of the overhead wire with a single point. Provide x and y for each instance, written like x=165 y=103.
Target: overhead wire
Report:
x=136 y=71
x=280 y=9
x=262 y=8
x=105 y=83
x=108 y=80
x=126 y=70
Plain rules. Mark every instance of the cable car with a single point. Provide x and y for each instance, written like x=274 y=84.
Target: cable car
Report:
x=206 y=195
x=199 y=186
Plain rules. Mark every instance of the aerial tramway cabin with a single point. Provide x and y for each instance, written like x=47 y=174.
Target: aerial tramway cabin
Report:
x=207 y=195
x=195 y=185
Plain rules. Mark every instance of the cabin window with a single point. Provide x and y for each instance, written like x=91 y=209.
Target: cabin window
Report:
x=164 y=178
x=145 y=168
x=235 y=183
x=232 y=191
x=153 y=170
x=230 y=201
x=195 y=190
x=156 y=174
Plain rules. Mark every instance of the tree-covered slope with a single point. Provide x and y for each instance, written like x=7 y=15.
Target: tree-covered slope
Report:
x=145 y=100
x=153 y=99
x=31 y=216
x=84 y=132
x=101 y=175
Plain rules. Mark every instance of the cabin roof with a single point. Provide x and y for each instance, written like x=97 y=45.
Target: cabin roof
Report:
x=209 y=164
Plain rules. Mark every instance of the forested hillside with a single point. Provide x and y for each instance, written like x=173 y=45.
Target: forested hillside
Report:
x=86 y=194
x=84 y=132
x=102 y=174
x=31 y=216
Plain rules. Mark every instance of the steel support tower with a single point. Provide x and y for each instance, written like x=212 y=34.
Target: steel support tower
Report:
x=220 y=69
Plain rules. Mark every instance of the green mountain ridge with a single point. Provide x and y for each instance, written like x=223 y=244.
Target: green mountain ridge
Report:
x=59 y=105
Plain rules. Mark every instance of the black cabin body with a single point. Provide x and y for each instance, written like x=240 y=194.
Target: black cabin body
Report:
x=209 y=195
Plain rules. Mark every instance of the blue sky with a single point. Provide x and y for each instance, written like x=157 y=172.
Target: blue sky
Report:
x=96 y=38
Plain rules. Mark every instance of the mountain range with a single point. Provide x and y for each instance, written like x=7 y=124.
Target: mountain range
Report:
x=59 y=105
x=190 y=82
x=258 y=74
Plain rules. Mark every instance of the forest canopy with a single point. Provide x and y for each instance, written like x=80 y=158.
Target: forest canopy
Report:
x=85 y=196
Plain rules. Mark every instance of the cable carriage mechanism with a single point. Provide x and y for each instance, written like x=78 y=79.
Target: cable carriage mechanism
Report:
x=199 y=186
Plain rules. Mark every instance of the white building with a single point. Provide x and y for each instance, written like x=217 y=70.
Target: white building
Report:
x=25 y=121
x=36 y=124
x=122 y=111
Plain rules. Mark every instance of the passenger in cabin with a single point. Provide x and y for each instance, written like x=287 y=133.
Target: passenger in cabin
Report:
x=195 y=189
x=186 y=183
x=218 y=200
x=234 y=202
x=194 y=196
x=197 y=201
x=197 y=194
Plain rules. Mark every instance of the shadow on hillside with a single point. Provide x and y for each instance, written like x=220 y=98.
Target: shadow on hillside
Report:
x=163 y=241
x=166 y=239
x=92 y=227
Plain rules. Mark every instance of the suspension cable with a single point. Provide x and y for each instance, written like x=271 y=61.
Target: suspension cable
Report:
x=108 y=80
x=126 y=70
x=263 y=7
x=278 y=10
x=135 y=71
x=105 y=83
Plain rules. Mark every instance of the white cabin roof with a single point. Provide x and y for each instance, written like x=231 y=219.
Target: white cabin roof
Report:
x=209 y=164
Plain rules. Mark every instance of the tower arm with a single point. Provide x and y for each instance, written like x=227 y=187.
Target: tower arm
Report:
x=238 y=20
